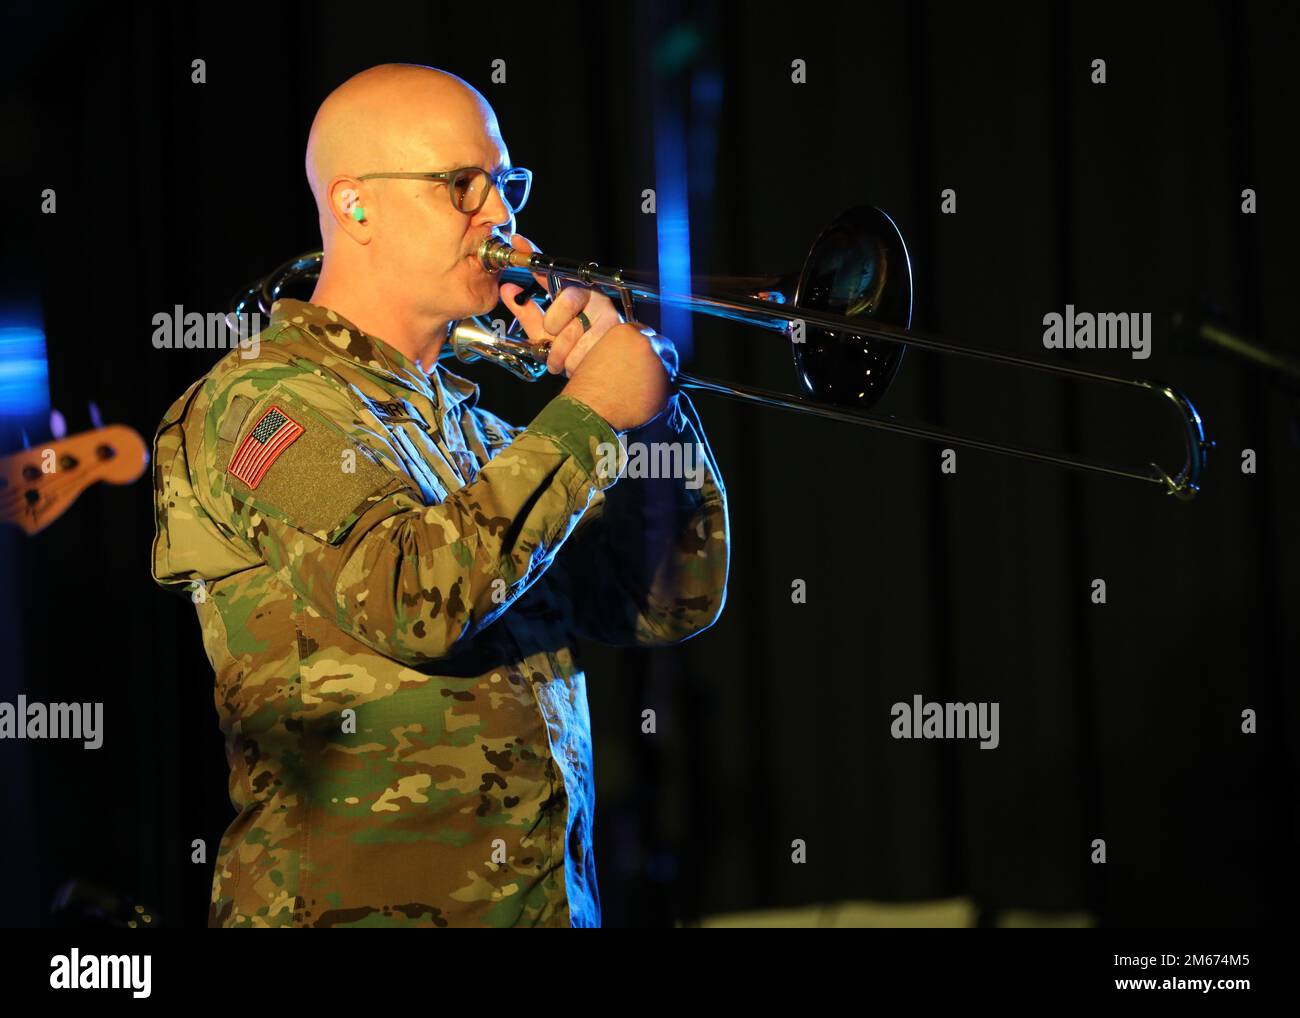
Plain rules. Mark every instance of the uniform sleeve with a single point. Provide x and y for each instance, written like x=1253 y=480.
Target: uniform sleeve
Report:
x=341 y=523
x=647 y=564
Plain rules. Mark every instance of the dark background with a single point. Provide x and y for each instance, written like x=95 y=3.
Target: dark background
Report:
x=1119 y=721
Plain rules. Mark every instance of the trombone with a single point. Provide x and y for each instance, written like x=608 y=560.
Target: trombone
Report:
x=848 y=324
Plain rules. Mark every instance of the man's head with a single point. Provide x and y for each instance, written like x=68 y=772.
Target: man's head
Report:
x=413 y=252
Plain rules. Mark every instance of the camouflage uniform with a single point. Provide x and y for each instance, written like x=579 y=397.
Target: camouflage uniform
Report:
x=390 y=610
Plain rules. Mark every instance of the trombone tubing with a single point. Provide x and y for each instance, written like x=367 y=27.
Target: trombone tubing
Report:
x=777 y=317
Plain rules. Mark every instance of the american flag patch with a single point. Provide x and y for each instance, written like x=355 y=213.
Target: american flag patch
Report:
x=270 y=436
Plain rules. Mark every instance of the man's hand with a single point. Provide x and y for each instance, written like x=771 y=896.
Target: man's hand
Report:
x=627 y=376
x=560 y=324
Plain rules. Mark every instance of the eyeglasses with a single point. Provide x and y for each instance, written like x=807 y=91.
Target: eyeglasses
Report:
x=469 y=185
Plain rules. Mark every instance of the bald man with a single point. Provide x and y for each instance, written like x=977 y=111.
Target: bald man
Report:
x=390 y=580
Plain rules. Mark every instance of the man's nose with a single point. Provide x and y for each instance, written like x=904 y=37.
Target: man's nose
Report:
x=495 y=212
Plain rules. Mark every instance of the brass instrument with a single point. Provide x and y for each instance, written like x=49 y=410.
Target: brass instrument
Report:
x=847 y=323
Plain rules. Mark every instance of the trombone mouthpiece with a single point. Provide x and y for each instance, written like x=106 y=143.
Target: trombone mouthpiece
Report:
x=497 y=254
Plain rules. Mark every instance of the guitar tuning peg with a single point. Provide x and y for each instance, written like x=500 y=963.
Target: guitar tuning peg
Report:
x=58 y=426
x=95 y=419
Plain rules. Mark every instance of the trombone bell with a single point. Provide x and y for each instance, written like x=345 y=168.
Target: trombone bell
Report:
x=857 y=266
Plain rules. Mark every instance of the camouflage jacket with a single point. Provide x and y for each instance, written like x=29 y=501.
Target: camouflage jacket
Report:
x=389 y=582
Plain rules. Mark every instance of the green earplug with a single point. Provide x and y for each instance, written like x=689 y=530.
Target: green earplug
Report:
x=358 y=213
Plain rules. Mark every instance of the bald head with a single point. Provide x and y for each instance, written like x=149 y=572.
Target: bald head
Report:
x=395 y=117
x=400 y=253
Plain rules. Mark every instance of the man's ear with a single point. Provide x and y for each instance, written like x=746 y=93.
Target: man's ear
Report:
x=348 y=209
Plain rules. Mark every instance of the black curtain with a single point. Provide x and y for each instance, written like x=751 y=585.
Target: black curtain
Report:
x=1120 y=721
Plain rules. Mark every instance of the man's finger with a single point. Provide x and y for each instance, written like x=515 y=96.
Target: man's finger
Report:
x=528 y=313
x=577 y=354
x=561 y=345
x=565 y=308
x=521 y=243
x=602 y=320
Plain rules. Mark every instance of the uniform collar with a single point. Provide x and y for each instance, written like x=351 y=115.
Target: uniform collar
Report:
x=340 y=337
